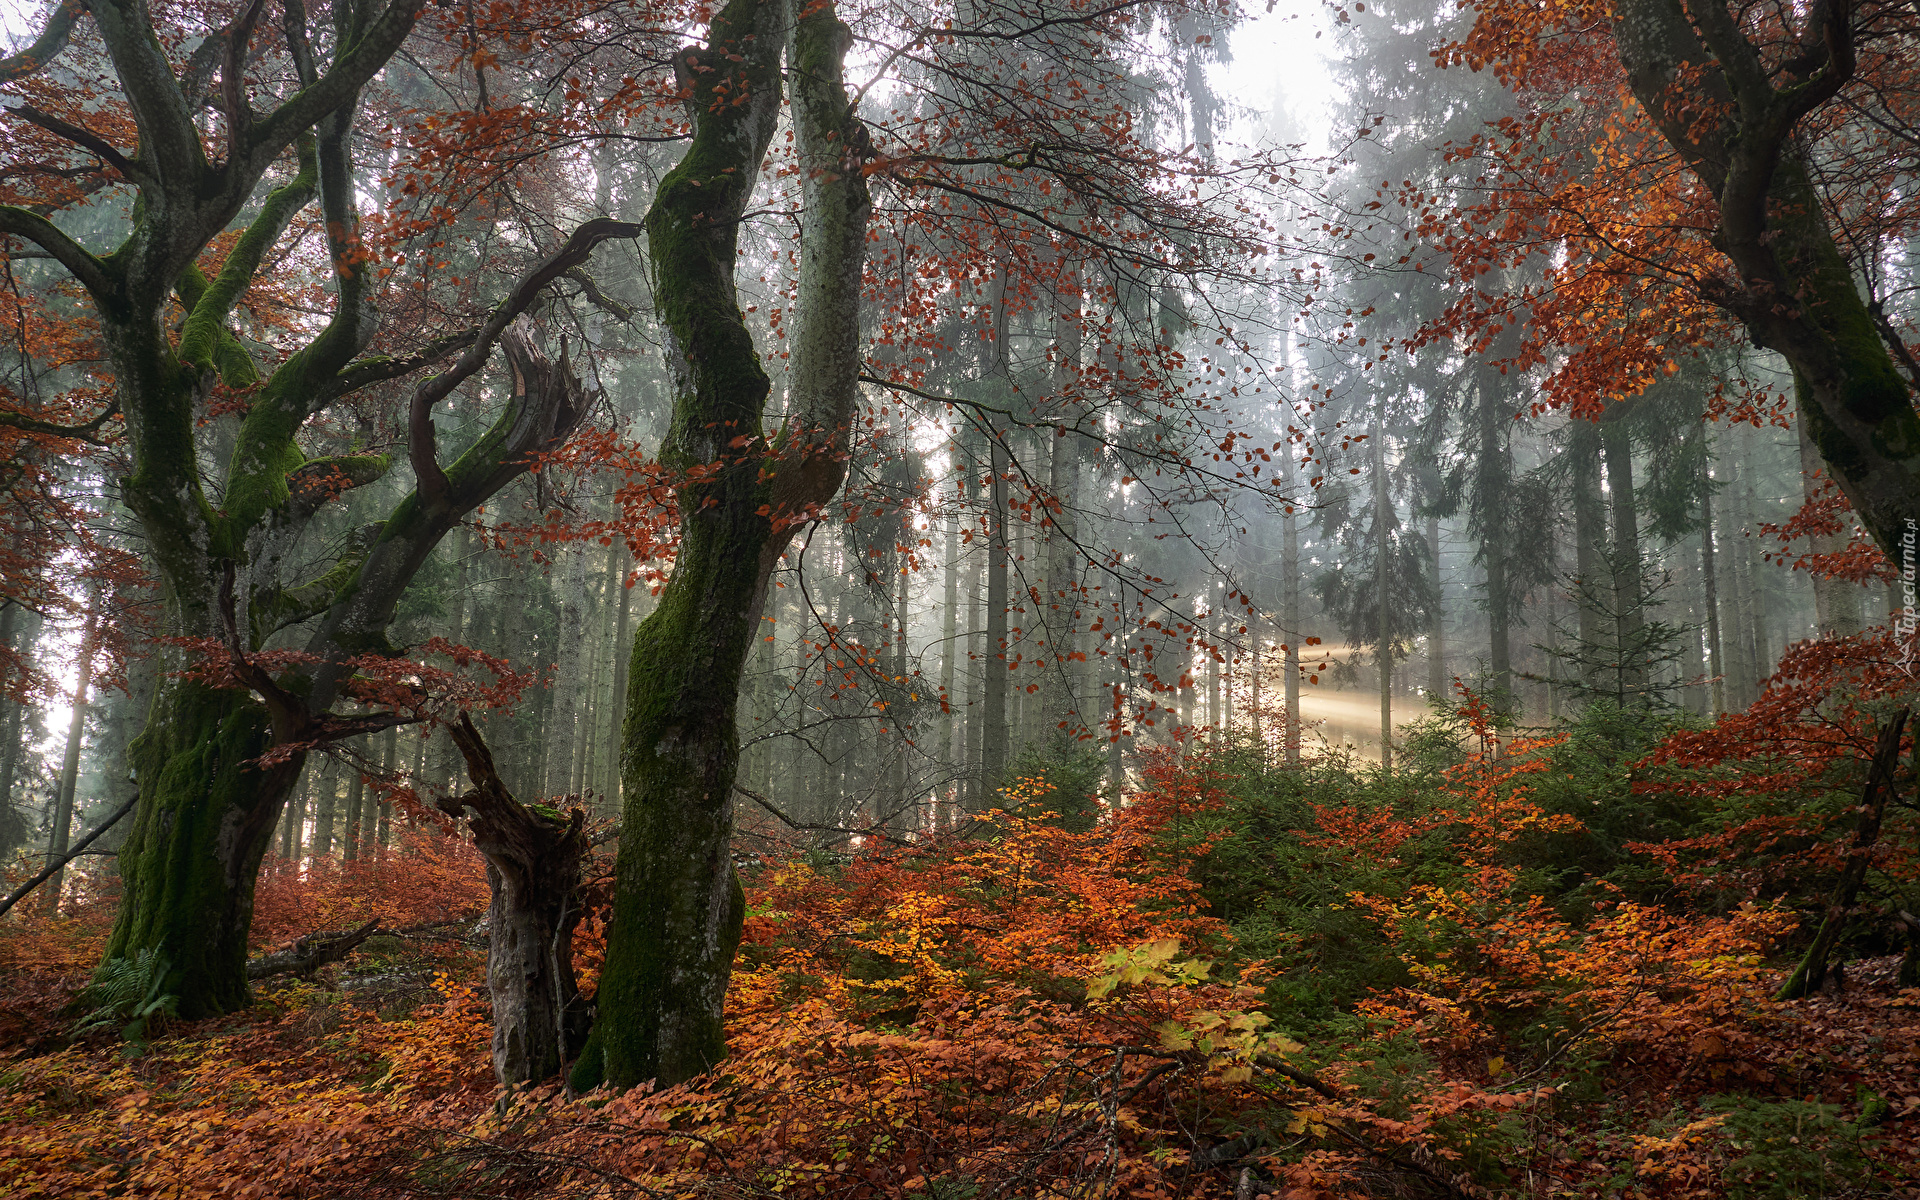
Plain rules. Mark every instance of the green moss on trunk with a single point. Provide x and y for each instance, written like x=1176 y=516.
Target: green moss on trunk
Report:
x=677 y=905
x=205 y=818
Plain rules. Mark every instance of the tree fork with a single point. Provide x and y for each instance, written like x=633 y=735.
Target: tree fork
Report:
x=678 y=906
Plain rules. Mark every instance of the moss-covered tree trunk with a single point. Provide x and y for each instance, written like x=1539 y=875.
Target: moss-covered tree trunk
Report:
x=205 y=818
x=677 y=903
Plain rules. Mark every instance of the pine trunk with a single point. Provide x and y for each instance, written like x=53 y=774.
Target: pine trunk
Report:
x=1383 y=587
x=1710 y=587
x=1629 y=588
x=1590 y=557
x=62 y=824
x=993 y=707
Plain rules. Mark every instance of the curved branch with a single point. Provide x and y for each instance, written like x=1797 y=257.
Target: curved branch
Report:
x=79 y=135
x=420 y=434
x=84 y=433
x=368 y=371
x=45 y=48
x=87 y=269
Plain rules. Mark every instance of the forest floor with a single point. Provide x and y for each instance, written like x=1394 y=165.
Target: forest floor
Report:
x=1025 y=1014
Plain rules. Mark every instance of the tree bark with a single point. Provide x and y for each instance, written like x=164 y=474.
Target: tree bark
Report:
x=326 y=814
x=952 y=735
x=1629 y=584
x=975 y=788
x=677 y=904
x=1710 y=583
x=1383 y=592
x=1493 y=490
x=622 y=654
x=350 y=840
x=16 y=713
x=1438 y=683
x=994 y=677
x=533 y=874
x=1590 y=536
x=1290 y=614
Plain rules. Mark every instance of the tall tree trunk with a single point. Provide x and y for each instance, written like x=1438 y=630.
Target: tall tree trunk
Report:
x=977 y=658
x=70 y=766
x=292 y=823
x=1693 y=664
x=952 y=740
x=622 y=655
x=575 y=670
x=1439 y=684
x=902 y=817
x=462 y=548
x=1710 y=586
x=1590 y=540
x=1383 y=584
x=356 y=794
x=1753 y=605
x=677 y=904
x=1059 y=609
x=1629 y=585
x=1493 y=491
x=16 y=713
x=993 y=708
x=1290 y=616
x=379 y=830
x=326 y=814
x=1216 y=714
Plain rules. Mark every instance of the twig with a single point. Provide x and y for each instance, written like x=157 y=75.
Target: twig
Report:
x=769 y=805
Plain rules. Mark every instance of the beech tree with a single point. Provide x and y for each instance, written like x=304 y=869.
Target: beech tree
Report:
x=677 y=903
x=182 y=134
x=1779 y=113
x=1731 y=101
x=1016 y=181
